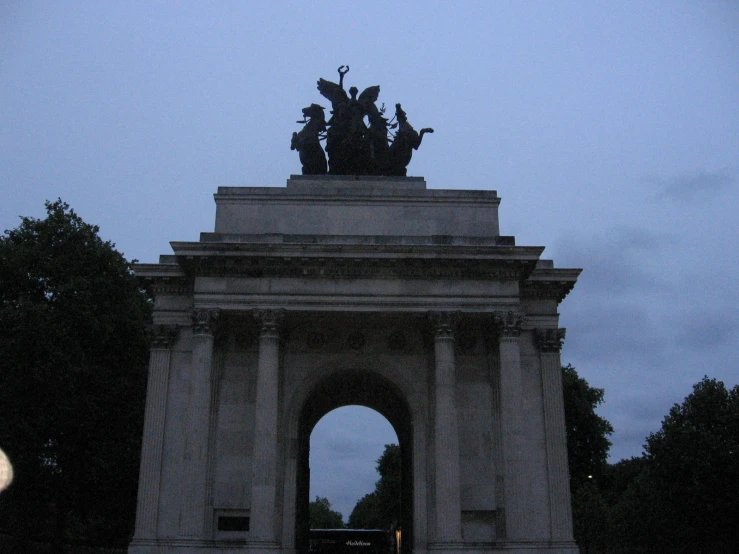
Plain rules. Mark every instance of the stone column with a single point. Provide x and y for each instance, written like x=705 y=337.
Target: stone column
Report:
x=153 y=440
x=446 y=431
x=262 y=528
x=192 y=523
x=549 y=342
x=511 y=399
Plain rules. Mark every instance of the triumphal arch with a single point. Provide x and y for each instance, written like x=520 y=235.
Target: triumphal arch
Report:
x=373 y=290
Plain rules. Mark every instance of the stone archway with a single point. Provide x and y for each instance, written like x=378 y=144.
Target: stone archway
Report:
x=340 y=290
x=373 y=391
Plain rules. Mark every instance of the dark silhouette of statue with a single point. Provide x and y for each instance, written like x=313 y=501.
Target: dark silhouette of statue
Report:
x=357 y=134
x=407 y=139
x=307 y=141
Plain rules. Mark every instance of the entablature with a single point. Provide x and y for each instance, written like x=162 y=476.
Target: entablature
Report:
x=361 y=257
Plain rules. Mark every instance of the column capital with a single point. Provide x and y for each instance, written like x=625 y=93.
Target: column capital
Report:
x=549 y=340
x=162 y=336
x=204 y=321
x=269 y=321
x=444 y=323
x=509 y=323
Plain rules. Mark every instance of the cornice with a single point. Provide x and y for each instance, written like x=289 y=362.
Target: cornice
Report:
x=356 y=193
x=164 y=278
x=307 y=246
x=549 y=284
x=358 y=260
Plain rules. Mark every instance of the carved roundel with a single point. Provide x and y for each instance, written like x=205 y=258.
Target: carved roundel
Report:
x=315 y=340
x=356 y=340
x=396 y=341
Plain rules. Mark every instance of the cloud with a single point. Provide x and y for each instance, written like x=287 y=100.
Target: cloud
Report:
x=616 y=261
x=343 y=447
x=707 y=330
x=693 y=186
x=614 y=333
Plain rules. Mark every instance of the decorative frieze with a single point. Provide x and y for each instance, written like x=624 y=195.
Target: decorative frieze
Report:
x=358 y=268
x=549 y=340
x=204 y=321
x=170 y=286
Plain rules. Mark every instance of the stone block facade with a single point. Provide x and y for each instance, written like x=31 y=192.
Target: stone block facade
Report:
x=375 y=291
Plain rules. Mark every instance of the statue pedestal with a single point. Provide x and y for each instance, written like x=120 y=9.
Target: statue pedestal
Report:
x=341 y=205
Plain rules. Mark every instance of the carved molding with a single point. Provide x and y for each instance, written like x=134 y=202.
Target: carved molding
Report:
x=444 y=323
x=547 y=290
x=509 y=323
x=359 y=268
x=269 y=321
x=549 y=340
x=204 y=321
x=162 y=336
x=170 y=286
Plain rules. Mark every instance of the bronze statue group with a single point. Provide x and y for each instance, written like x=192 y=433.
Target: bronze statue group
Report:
x=359 y=140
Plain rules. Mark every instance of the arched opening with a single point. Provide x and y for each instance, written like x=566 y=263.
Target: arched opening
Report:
x=363 y=389
x=345 y=445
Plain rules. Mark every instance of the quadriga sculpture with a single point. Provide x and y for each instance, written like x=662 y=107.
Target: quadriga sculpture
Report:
x=357 y=135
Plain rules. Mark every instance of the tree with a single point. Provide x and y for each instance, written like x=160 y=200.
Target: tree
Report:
x=73 y=322
x=381 y=508
x=323 y=517
x=587 y=454
x=691 y=475
x=587 y=432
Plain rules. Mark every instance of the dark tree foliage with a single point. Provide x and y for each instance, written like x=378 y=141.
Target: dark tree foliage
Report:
x=685 y=499
x=587 y=432
x=72 y=381
x=323 y=517
x=587 y=453
x=381 y=508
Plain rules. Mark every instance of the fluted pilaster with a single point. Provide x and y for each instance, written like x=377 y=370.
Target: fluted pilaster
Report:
x=549 y=342
x=446 y=443
x=162 y=339
x=508 y=326
x=192 y=522
x=264 y=470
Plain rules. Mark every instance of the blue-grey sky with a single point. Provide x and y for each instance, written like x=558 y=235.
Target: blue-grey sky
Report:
x=609 y=129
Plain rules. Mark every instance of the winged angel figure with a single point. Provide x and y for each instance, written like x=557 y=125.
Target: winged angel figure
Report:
x=353 y=146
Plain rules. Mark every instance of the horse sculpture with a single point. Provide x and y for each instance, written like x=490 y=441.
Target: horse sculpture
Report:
x=307 y=141
x=406 y=140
